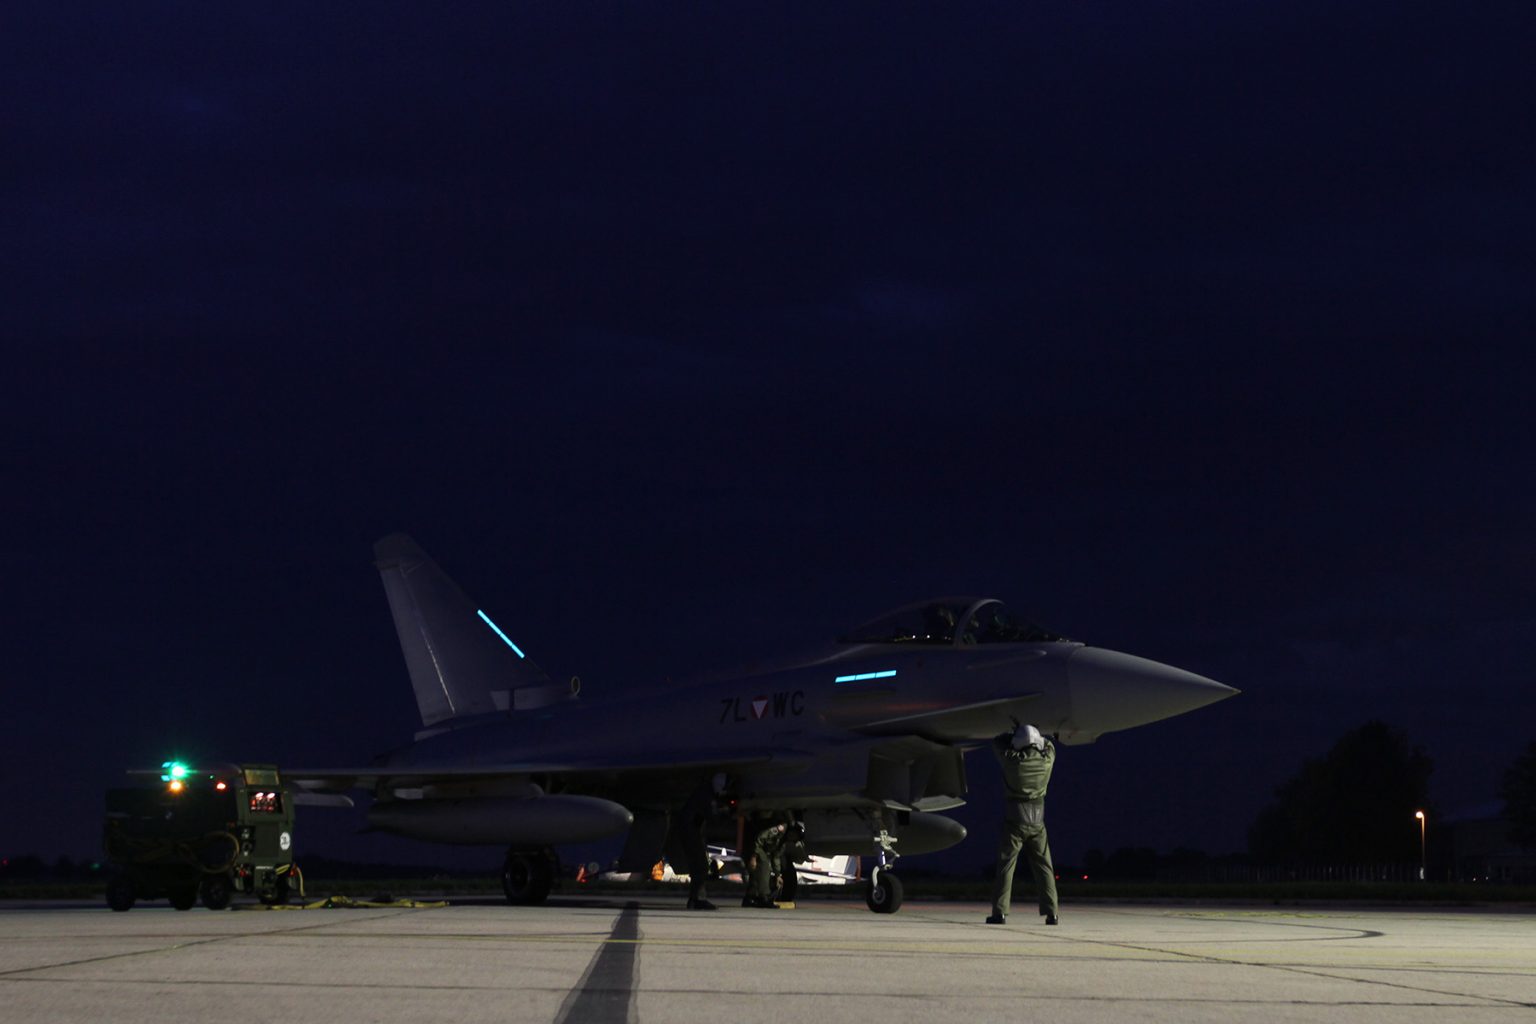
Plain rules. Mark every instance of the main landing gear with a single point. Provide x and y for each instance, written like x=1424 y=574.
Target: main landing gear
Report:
x=527 y=876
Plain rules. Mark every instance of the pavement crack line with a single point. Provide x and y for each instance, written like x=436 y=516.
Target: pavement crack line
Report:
x=606 y=992
x=1315 y=972
x=15 y=973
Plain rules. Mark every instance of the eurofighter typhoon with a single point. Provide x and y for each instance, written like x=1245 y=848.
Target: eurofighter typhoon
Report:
x=862 y=741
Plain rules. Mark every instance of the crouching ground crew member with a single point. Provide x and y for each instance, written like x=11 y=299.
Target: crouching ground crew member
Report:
x=1026 y=758
x=765 y=854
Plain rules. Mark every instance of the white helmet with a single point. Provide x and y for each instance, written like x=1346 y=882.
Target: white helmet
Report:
x=1028 y=736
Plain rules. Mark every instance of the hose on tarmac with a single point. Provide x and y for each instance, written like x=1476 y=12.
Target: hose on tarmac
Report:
x=347 y=903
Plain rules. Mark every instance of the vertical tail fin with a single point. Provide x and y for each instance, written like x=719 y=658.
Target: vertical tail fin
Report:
x=460 y=662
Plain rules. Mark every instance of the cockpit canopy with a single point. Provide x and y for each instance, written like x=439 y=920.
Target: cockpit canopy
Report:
x=949 y=621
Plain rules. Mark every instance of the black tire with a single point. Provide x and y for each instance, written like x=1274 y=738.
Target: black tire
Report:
x=790 y=884
x=526 y=878
x=884 y=894
x=183 y=897
x=120 y=893
x=215 y=892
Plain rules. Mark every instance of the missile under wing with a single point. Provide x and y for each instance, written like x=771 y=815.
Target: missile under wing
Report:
x=862 y=741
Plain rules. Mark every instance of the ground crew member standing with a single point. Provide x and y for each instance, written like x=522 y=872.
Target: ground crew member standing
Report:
x=1026 y=758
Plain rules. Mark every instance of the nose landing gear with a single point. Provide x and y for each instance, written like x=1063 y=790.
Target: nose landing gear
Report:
x=885 y=892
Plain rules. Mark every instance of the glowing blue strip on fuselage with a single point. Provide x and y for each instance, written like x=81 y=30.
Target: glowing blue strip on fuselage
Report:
x=499 y=633
x=865 y=675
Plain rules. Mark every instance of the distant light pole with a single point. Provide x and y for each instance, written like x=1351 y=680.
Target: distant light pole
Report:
x=1422 y=824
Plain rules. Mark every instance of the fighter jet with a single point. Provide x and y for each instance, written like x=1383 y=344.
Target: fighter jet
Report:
x=861 y=741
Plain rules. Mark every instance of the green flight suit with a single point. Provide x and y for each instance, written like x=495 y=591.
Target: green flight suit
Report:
x=766 y=852
x=1026 y=774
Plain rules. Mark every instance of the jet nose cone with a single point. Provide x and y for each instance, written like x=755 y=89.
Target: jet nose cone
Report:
x=1112 y=691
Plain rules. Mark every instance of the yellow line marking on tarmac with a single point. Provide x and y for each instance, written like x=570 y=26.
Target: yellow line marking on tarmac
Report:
x=1034 y=947
x=1253 y=913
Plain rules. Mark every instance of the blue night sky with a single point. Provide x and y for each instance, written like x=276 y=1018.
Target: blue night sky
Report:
x=680 y=336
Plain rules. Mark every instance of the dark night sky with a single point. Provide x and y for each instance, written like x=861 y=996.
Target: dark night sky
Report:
x=1202 y=330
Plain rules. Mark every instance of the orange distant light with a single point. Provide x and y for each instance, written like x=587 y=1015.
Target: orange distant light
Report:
x=221 y=785
x=177 y=786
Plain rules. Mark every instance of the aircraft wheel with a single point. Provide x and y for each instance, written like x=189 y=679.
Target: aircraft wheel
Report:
x=120 y=893
x=526 y=878
x=183 y=897
x=215 y=892
x=790 y=885
x=884 y=895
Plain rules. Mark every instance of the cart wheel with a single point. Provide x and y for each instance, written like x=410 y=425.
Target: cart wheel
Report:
x=120 y=894
x=215 y=892
x=183 y=897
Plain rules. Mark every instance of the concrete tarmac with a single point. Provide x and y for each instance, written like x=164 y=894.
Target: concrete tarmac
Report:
x=646 y=959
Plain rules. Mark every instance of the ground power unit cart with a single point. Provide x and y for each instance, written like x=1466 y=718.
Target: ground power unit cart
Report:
x=200 y=833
